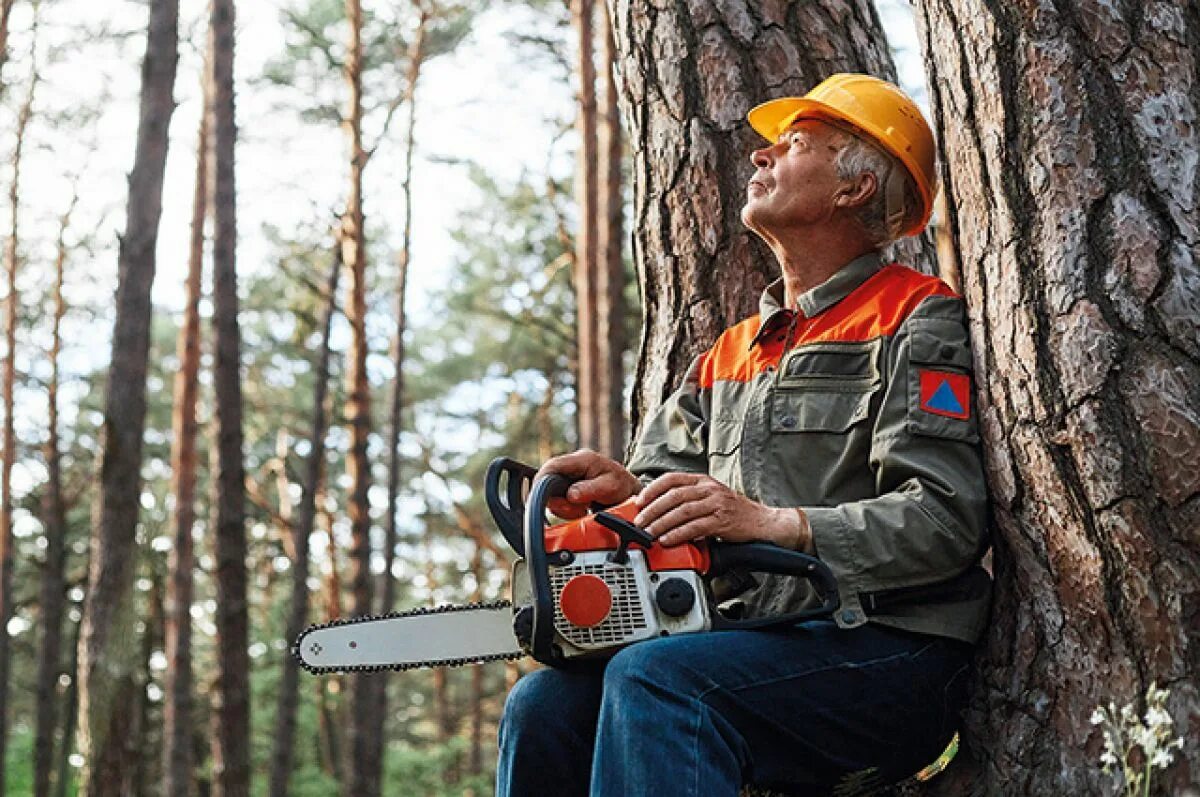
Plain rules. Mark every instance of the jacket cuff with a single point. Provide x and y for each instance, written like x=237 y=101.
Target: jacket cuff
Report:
x=832 y=541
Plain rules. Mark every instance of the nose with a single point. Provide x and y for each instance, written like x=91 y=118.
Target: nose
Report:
x=761 y=158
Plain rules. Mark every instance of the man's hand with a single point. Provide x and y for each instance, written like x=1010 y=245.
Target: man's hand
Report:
x=678 y=507
x=601 y=481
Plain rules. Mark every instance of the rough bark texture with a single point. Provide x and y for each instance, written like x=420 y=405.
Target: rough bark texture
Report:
x=177 y=702
x=106 y=659
x=282 y=754
x=54 y=520
x=359 y=746
x=9 y=439
x=588 y=399
x=231 y=751
x=1071 y=134
x=610 y=287
x=689 y=73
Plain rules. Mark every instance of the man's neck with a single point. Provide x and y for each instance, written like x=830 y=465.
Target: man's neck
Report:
x=808 y=262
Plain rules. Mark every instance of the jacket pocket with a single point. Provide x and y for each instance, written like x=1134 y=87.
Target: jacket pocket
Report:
x=812 y=411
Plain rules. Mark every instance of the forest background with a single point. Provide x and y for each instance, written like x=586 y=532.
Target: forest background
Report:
x=433 y=250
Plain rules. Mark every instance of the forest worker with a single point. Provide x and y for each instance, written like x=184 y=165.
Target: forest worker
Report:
x=837 y=421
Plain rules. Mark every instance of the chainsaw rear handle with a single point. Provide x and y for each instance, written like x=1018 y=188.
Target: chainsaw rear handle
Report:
x=765 y=557
x=508 y=505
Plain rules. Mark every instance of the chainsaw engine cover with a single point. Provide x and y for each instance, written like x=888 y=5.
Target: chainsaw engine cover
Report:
x=600 y=606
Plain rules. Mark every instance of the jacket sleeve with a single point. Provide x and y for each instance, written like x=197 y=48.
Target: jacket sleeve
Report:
x=676 y=436
x=927 y=523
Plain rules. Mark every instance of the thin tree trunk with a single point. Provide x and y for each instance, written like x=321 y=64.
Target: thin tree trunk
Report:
x=587 y=384
x=9 y=441
x=1069 y=141
x=231 y=761
x=361 y=748
x=378 y=724
x=610 y=265
x=332 y=760
x=106 y=659
x=54 y=518
x=283 y=752
x=475 y=751
x=177 y=704
x=689 y=73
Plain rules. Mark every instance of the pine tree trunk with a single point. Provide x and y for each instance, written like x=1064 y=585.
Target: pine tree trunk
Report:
x=9 y=438
x=358 y=410
x=152 y=639
x=231 y=759
x=177 y=702
x=588 y=399
x=106 y=659
x=689 y=74
x=283 y=751
x=610 y=267
x=54 y=519
x=1070 y=137
x=62 y=774
x=331 y=740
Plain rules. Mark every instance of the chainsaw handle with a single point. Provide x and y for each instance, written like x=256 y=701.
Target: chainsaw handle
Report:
x=765 y=557
x=508 y=505
x=549 y=486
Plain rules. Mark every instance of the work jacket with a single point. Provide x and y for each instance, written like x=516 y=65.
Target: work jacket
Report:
x=863 y=418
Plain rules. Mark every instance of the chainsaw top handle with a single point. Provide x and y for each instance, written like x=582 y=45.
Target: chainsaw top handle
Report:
x=542 y=647
x=507 y=502
x=765 y=557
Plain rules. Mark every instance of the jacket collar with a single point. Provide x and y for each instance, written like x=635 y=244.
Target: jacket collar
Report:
x=817 y=300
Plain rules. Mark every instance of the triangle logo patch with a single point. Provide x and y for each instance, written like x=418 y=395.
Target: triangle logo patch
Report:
x=946 y=393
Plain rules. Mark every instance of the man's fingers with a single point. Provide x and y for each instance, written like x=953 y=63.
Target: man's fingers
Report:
x=684 y=513
x=695 y=529
x=665 y=483
x=666 y=502
x=565 y=509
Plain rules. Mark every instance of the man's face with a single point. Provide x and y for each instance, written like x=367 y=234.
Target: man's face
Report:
x=795 y=182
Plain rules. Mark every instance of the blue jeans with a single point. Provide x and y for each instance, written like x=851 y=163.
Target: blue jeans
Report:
x=702 y=714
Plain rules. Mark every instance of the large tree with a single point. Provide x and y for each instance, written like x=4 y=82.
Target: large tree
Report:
x=1070 y=138
x=106 y=659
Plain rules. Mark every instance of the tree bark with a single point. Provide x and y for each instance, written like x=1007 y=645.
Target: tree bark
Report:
x=360 y=748
x=177 y=703
x=54 y=519
x=689 y=74
x=610 y=267
x=9 y=438
x=231 y=760
x=283 y=752
x=106 y=659
x=152 y=639
x=588 y=399
x=1070 y=136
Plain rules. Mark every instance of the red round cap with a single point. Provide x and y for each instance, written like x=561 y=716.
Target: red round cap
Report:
x=585 y=600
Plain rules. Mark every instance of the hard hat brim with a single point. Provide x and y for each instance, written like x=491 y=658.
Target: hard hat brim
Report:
x=772 y=118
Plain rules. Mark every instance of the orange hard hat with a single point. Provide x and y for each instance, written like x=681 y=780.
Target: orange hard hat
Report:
x=875 y=108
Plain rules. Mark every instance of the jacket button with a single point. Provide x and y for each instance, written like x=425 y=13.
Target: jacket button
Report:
x=849 y=616
x=947 y=352
x=788 y=421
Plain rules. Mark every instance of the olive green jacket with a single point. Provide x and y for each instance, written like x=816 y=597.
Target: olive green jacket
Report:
x=858 y=410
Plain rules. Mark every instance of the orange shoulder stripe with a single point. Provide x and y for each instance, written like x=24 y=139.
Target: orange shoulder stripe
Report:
x=876 y=308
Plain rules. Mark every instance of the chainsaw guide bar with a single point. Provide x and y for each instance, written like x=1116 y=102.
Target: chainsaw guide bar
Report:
x=404 y=629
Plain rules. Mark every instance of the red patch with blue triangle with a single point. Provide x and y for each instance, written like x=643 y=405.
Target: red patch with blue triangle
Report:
x=945 y=393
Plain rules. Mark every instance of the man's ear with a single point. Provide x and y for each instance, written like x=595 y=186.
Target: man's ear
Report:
x=857 y=192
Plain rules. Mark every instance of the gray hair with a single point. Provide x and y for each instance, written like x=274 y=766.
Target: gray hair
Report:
x=895 y=204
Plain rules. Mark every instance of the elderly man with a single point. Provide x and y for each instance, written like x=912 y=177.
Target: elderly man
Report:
x=837 y=421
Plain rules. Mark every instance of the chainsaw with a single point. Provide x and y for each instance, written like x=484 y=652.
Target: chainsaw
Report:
x=581 y=591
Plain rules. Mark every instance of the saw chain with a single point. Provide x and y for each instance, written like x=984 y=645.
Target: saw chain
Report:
x=412 y=665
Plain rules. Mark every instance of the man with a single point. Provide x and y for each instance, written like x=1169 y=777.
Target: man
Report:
x=838 y=421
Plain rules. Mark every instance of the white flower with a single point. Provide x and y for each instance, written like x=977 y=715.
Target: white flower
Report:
x=1156 y=718
x=1098 y=716
x=1161 y=759
x=1108 y=758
